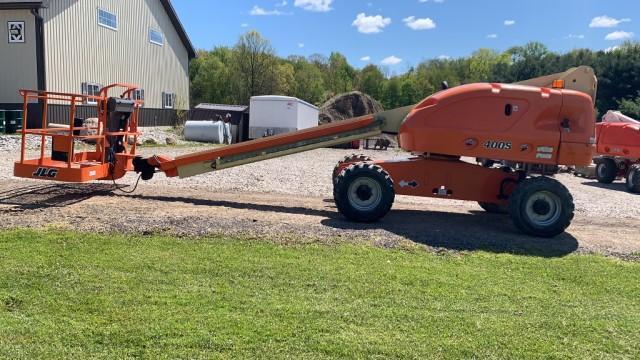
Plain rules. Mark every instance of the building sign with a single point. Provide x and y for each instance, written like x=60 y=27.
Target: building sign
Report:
x=16 y=31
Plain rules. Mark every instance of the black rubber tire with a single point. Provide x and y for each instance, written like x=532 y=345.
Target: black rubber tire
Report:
x=492 y=208
x=358 y=172
x=606 y=171
x=633 y=179
x=521 y=217
x=355 y=158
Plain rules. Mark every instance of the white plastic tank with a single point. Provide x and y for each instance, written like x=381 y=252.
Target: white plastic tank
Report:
x=216 y=132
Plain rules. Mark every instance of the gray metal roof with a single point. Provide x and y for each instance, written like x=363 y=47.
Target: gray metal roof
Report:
x=179 y=28
x=21 y=4
x=220 y=107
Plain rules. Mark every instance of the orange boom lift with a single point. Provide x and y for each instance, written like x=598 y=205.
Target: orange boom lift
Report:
x=531 y=129
x=618 y=153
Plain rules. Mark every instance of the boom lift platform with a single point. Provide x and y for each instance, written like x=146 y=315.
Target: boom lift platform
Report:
x=530 y=127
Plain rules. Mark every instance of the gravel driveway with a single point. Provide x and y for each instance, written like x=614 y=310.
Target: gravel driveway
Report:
x=289 y=200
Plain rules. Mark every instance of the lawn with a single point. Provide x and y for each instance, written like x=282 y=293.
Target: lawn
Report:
x=70 y=295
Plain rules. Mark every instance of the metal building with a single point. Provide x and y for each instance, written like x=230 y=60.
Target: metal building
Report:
x=78 y=46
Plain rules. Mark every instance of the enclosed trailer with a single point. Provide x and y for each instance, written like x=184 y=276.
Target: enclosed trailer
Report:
x=273 y=115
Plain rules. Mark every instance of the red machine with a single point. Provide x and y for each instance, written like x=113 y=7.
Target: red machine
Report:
x=532 y=128
x=618 y=151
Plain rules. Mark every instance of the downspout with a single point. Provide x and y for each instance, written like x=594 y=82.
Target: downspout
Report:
x=40 y=67
x=35 y=116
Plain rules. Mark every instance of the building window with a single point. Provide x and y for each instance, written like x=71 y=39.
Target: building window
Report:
x=107 y=19
x=137 y=94
x=168 y=100
x=156 y=37
x=91 y=89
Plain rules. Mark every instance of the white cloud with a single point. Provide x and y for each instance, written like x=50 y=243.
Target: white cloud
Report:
x=314 y=5
x=444 y=57
x=435 y=1
x=370 y=24
x=605 y=21
x=365 y=58
x=244 y=25
x=391 y=60
x=258 y=11
x=619 y=35
x=574 y=36
x=611 y=49
x=509 y=22
x=492 y=36
x=419 y=24
x=300 y=45
x=282 y=4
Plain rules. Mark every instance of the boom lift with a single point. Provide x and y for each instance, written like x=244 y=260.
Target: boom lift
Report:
x=618 y=150
x=530 y=127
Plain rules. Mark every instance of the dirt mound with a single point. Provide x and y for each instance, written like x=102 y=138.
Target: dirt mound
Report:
x=349 y=105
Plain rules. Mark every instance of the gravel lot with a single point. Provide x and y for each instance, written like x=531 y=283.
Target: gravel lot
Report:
x=289 y=200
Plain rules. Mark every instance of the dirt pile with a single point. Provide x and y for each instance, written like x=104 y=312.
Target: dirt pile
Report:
x=347 y=106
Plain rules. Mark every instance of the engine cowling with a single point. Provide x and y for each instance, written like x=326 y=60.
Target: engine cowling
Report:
x=504 y=122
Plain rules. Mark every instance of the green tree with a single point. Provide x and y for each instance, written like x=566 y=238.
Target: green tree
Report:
x=285 y=82
x=255 y=66
x=371 y=81
x=529 y=61
x=210 y=76
x=409 y=94
x=392 y=94
x=341 y=75
x=618 y=75
x=481 y=65
x=308 y=81
x=630 y=107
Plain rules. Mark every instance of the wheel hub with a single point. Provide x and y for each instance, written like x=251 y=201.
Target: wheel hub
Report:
x=364 y=192
x=544 y=208
x=541 y=207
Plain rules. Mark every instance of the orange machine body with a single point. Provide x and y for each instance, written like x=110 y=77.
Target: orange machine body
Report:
x=618 y=140
x=506 y=122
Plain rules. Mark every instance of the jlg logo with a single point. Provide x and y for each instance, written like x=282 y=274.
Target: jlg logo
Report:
x=46 y=173
x=498 y=145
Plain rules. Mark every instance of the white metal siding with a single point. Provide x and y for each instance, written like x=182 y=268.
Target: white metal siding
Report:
x=18 y=66
x=79 y=50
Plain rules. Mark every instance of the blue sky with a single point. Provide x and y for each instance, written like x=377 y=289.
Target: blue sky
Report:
x=402 y=33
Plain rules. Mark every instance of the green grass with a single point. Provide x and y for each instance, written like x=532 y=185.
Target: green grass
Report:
x=69 y=295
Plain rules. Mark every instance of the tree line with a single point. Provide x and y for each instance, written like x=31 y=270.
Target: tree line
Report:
x=231 y=75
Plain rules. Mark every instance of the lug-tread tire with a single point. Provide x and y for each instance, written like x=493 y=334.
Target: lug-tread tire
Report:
x=492 y=208
x=354 y=158
x=531 y=186
x=633 y=179
x=606 y=171
x=357 y=171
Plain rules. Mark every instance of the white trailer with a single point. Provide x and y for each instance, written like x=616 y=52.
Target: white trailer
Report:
x=272 y=115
